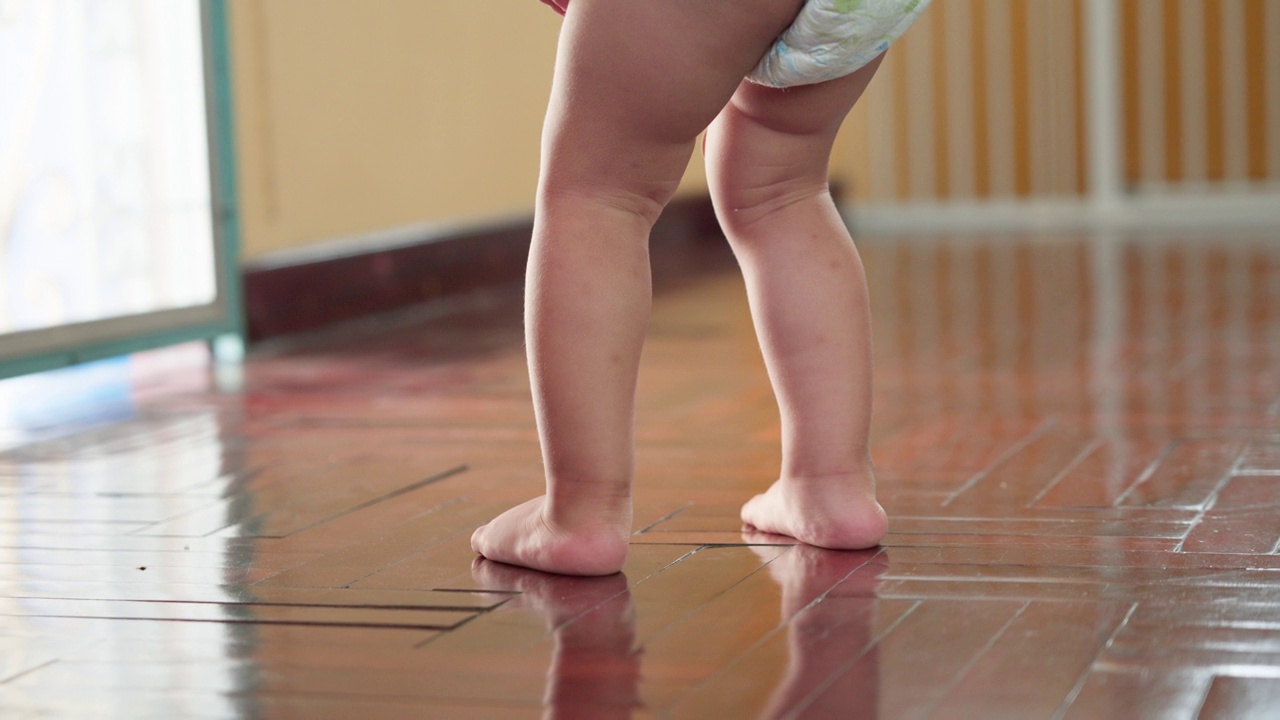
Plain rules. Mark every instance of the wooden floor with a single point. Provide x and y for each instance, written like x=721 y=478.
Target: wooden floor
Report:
x=1078 y=441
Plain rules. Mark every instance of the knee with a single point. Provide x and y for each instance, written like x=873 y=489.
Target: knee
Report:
x=742 y=208
x=755 y=171
x=642 y=199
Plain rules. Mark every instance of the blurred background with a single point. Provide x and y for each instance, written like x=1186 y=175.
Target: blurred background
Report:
x=354 y=117
x=358 y=117
x=371 y=155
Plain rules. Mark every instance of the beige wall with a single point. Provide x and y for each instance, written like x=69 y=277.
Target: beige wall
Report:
x=356 y=116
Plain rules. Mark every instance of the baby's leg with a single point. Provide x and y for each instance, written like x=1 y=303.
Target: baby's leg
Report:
x=635 y=83
x=767 y=157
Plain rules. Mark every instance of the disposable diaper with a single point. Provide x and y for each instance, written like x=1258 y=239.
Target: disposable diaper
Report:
x=832 y=38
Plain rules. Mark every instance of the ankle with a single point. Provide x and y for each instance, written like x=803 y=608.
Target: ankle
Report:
x=581 y=510
x=859 y=470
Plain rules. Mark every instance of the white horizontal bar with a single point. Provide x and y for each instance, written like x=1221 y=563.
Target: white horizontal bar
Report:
x=1164 y=211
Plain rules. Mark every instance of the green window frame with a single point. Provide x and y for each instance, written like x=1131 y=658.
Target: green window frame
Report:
x=220 y=322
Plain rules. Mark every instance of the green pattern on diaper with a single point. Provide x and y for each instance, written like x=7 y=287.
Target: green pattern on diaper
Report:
x=853 y=6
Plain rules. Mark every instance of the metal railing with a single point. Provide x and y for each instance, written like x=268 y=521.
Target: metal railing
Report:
x=1042 y=110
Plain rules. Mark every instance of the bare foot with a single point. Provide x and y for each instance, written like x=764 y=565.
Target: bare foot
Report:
x=836 y=513
x=527 y=536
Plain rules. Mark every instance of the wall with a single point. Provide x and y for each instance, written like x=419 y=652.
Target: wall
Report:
x=356 y=117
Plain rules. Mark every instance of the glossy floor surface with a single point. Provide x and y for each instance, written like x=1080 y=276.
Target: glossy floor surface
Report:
x=1078 y=440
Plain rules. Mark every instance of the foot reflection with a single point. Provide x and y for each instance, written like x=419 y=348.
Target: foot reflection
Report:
x=830 y=607
x=595 y=670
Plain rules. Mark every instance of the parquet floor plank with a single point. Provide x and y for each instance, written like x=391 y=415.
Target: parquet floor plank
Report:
x=1241 y=698
x=1082 y=470
x=1135 y=693
x=1034 y=664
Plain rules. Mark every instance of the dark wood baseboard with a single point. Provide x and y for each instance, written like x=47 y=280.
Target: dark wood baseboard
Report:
x=288 y=299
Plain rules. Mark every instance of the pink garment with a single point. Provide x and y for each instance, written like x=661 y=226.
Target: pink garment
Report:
x=558 y=5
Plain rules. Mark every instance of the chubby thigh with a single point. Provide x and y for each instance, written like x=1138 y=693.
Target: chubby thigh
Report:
x=636 y=82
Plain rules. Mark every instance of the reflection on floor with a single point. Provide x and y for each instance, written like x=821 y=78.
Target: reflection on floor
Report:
x=1078 y=441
